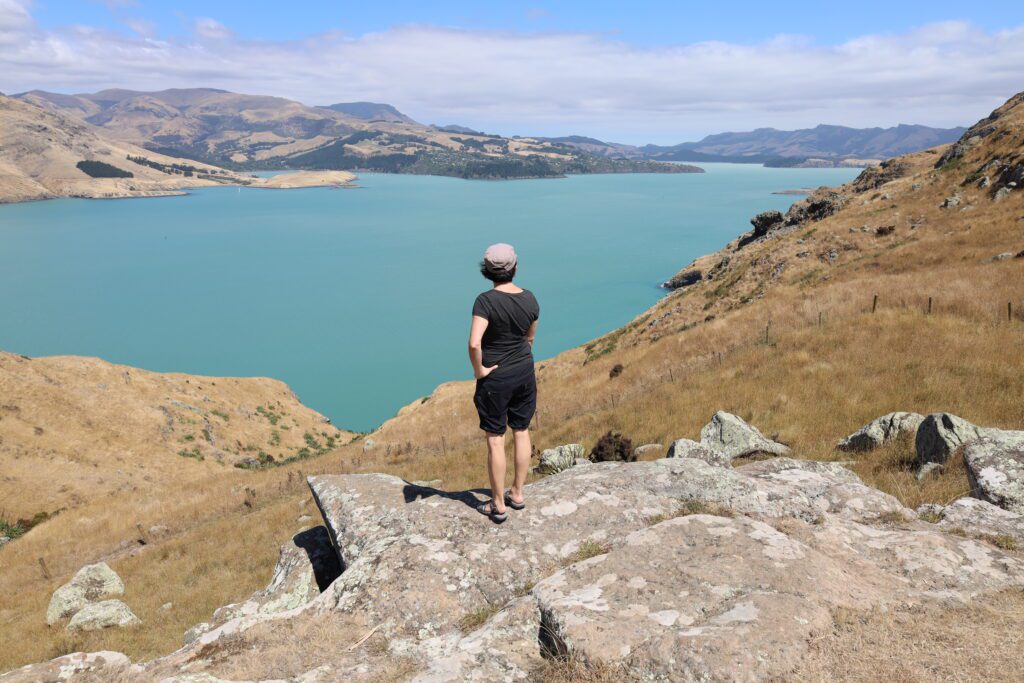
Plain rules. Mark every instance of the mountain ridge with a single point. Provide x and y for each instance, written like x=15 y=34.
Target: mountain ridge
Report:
x=255 y=132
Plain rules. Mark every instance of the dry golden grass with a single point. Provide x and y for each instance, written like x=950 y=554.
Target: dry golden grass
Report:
x=980 y=641
x=570 y=669
x=828 y=366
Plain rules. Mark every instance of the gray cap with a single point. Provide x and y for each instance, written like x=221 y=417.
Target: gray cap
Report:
x=500 y=258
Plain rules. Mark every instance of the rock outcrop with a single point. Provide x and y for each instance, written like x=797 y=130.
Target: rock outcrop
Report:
x=92 y=583
x=995 y=469
x=614 y=563
x=881 y=431
x=732 y=436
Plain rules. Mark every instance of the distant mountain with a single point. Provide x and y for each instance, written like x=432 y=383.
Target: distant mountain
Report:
x=371 y=111
x=614 y=150
x=255 y=132
x=824 y=143
x=455 y=128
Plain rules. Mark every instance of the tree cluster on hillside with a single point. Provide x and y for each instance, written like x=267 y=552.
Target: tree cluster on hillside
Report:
x=100 y=169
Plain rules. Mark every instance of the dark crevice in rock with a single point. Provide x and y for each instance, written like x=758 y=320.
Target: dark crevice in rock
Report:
x=321 y=553
x=552 y=645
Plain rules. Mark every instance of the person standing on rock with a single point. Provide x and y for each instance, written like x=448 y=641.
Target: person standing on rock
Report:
x=501 y=352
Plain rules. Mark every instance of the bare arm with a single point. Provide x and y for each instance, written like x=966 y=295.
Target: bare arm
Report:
x=476 y=352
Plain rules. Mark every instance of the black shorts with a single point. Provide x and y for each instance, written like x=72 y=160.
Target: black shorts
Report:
x=506 y=396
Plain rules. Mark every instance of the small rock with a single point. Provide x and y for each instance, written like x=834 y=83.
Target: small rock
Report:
x=646 y=448
x=4 y=540
x=100 y=615
x=1002 y=257
x=881 y=431
x=984 y=182
x=166 y=606
x=803 y=254
x=1001 y=193
x=732 y=436
x=91 y=583
x=916 y=186
x=554 y=460
x=950 y=202
x=929 y=469
x=685 y=448
x=367 y=444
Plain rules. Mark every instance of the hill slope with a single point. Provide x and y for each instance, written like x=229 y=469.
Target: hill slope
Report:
x=45 y=153
x=247 y=132
x=781 y=327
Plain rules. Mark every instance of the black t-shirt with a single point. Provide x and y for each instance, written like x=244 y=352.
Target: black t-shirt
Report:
x=509 y=317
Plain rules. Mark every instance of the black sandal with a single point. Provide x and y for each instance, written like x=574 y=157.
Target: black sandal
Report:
x=487 y=508
x=513 y=504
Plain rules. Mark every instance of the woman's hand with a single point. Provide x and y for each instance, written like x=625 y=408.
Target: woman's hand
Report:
x=483 y=371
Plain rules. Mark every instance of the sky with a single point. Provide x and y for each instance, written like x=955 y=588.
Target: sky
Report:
x=638 y=72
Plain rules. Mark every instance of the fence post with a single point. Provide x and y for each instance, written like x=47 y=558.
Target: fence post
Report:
x=929 y=305
x=766 y=329
x=874 y=303
x=819 y=318
x=46 y=572
x=444 y=445
x=671 y=377
x=1009 y=311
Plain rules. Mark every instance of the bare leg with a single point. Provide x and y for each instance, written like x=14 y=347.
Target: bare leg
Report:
x=496 y=469
x=523 y=450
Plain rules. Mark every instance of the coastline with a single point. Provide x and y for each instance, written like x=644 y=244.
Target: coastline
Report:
x=97 y=188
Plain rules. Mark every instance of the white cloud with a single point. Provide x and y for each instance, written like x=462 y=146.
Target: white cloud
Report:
x=551 y=83
x=211 y=28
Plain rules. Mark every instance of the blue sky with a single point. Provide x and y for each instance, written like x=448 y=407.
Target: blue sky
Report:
x=640 y=23
x=634 y=72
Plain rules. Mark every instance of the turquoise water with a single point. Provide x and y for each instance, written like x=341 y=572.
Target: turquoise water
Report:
x=359 y=299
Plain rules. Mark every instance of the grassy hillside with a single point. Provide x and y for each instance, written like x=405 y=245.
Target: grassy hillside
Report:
x=808 y=331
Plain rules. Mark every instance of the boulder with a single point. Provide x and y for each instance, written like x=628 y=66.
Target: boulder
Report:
x=100 y=615
x=995 y=469
x=91 y=583
x=685 y=448
x=733 y=437
x=940 y=435
x=554 y=460
x=4 y=540
x=881 y=431
x=639 y=451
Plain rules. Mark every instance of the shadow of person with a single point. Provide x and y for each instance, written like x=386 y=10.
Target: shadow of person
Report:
x=317 y=544
x=470 y=497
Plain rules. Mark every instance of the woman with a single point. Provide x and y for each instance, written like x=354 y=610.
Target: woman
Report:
x=501 y=351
